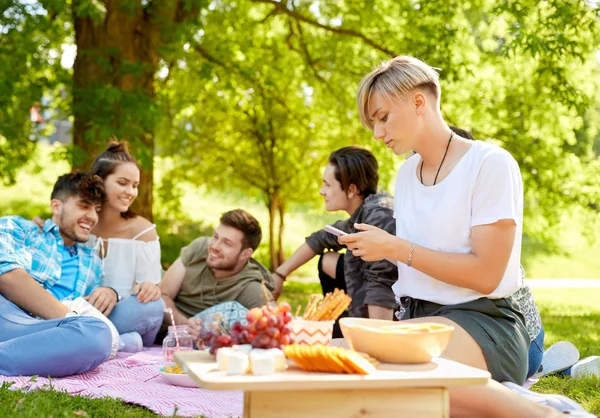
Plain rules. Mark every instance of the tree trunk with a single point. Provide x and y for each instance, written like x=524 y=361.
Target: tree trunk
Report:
x=280 y=251
x=272 y=205
x=113 y=80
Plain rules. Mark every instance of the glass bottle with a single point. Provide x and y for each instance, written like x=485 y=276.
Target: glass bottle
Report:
x=177 y=339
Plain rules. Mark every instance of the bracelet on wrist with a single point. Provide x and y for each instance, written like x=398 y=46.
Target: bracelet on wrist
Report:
x=410 y=253
x=116 y=293
x=280 y=275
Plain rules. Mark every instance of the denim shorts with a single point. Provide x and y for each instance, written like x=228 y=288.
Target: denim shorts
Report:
x=496 y=325
x=536 y=353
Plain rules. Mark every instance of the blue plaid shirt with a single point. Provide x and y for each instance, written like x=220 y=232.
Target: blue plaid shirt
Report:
x=22 y=245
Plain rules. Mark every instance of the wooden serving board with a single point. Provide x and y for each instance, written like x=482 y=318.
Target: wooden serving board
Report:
x=202 y=368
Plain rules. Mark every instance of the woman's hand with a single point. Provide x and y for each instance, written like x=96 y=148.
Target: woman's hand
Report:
x=39 y=222
x=371 y=244
x=146 y=292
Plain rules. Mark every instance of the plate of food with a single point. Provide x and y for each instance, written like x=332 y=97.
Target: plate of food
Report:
x=173 y=374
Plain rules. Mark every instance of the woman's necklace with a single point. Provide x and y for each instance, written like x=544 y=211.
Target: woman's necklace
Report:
x=440 y=167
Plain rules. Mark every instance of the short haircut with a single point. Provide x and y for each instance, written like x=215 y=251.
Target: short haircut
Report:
x=393 y=79
x=105 y=164
x=358 y=166
x=245 y=223
x=84 y=185
x=462 y=132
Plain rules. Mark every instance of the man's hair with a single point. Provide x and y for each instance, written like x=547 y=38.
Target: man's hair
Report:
x=105 y=164
x=462 y=132
x=358 y=166
x=393 y=79
x=87 y=186
x=245 y=223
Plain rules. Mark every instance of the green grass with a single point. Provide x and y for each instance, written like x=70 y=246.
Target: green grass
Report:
x=51 y=403
x=568 y=314
x=573 y=315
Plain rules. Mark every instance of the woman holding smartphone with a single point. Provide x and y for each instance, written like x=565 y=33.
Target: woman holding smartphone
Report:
x=459 y=213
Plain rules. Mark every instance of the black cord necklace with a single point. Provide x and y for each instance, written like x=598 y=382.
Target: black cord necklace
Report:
x=440 y=167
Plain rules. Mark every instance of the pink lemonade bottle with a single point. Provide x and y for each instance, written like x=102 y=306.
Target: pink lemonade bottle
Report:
x=177 y=339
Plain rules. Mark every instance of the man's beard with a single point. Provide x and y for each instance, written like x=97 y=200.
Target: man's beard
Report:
x=69 y=230
x=224 y=265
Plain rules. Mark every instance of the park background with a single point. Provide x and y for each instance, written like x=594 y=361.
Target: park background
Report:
x=238 y=103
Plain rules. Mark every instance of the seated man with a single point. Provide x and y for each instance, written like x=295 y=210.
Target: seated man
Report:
x=350 y=184
x=39 y=335
x=217 y=274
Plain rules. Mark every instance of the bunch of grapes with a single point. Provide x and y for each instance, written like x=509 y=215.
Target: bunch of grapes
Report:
x=215 y=336
x=268 y=327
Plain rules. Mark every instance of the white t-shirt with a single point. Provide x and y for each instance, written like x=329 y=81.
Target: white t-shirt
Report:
x=128 y=261
x=484 y=187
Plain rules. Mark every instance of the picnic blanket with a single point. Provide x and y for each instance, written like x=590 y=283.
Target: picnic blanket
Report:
x=135 y=378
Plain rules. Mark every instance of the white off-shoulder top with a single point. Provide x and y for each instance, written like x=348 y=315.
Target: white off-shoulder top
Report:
x=128 y=261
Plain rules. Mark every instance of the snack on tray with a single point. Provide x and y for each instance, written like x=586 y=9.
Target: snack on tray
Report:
x=328 y=308
x=311 y=306
x=329 y=359
x=175 y=369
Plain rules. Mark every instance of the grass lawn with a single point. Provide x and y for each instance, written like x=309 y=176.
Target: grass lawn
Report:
x=568 y=314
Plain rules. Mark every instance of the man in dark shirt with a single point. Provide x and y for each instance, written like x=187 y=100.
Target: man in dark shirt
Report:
x=350 y=184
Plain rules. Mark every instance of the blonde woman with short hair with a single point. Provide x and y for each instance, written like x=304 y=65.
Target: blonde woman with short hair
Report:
x=459 y=214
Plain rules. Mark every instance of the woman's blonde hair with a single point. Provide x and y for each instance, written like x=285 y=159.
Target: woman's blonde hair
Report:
x=393 y=79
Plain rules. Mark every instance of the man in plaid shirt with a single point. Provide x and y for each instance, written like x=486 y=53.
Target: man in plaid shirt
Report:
x=39 y=335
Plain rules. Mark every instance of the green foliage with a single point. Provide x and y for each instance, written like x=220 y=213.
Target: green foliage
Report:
x=253 y=95
x=26 y=209
x=30 y=49
x=522 y=73
x=176 y=234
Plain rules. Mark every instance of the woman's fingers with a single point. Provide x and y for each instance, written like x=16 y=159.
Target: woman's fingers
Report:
x=364 y=227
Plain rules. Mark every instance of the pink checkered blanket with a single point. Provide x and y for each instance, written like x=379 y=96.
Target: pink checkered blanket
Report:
x=135 y=378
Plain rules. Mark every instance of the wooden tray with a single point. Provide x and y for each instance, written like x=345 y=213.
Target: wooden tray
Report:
x=202 y=368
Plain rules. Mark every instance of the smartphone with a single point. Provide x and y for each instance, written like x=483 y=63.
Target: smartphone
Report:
x=334 y=231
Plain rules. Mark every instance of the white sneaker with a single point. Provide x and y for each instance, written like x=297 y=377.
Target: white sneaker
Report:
x=589 y=366
x=558 y=357
x=580 y=414
x=559 y=402
x=130 y=342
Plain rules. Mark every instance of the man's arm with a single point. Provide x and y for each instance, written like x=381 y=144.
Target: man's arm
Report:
x=22 y=290
x=16 y=284
x=252 y=296
x=300 y=257
x=170 y=287
x=315 y=244
x=380 y=312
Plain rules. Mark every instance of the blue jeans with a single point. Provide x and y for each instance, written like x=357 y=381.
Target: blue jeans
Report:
x=536 y=353
x=129 y=315
x=53 y=347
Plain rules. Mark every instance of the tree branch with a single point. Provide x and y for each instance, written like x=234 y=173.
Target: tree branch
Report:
x=254 y=83
x=309 y=60
x=282 y=9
